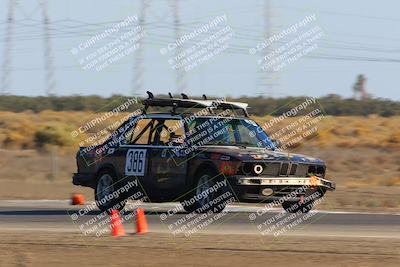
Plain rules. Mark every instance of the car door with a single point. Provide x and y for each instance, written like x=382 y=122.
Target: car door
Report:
x=134 y=153
x=168 y=164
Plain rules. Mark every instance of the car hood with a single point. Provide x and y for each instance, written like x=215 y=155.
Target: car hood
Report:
x=254 y=153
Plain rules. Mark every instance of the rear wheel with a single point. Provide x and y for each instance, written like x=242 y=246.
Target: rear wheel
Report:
x=208 y=193
x=106 y=193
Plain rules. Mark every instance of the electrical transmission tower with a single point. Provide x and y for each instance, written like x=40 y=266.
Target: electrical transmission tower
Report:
x=48 y=52
x=138 y=67
x=267 y=79
x=6 y=77
x=180 y=72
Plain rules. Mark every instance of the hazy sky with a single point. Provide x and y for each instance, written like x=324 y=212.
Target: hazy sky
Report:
x=359 y=37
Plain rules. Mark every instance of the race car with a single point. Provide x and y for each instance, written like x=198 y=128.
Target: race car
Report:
x=204 y=154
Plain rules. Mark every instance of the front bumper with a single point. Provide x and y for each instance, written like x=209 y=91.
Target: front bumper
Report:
x=83 y=180
x=252 y=189
x=288 y=181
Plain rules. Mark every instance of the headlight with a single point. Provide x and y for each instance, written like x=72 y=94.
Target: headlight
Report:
x=246 y=168
x=250 y=168
x=258 y=169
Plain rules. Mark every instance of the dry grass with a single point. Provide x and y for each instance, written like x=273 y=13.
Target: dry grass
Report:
x=18 y=130
x=349 y=132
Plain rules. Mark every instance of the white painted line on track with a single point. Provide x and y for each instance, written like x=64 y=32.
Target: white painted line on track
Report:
x=234 y=208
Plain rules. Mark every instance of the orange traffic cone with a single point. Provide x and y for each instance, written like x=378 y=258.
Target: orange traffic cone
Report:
x=117 y=229
x=141 y=223
x=77 y=199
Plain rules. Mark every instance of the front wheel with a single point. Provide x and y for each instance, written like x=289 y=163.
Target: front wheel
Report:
x=210 y=193
x=106 y=193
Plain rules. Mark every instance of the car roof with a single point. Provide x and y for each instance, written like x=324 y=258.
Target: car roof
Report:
x=185 y=102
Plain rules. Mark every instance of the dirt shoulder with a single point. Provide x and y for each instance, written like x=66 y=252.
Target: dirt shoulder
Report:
x=62 y=249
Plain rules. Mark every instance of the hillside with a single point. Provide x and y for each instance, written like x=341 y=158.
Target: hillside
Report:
x=260 y=106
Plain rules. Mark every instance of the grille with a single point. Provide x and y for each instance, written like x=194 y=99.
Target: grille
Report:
x=272 y=169
x=316 y=170
x=284 y=169
x=293 y=169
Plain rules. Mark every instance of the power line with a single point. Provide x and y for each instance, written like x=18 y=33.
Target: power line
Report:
x=69 y=28
x=329 y=12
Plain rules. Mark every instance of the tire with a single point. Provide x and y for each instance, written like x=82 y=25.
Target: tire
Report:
x=105 y=186
x=294 y=207
x=196 y=202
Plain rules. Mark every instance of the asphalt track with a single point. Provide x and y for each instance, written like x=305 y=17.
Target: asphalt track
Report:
x=57 y=216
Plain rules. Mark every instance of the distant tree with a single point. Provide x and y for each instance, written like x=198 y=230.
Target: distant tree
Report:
x=359 y=88
x=334 y=96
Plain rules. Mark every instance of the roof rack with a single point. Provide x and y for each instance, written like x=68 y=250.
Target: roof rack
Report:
x=186 y=102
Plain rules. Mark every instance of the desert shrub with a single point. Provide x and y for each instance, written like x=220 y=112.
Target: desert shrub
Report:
x=14 y=140
x=393 y=181
x=394 y=138
x=373 y=203
x=51 y=135
x=390 y=203
x=353 y=184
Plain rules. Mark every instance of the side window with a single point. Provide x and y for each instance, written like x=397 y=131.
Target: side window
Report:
x=230 y=134
x=192 y=124
x=245 y=136
x=141 y=133
x=172 y=133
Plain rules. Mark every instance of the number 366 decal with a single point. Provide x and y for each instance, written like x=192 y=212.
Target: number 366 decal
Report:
x=135 y=162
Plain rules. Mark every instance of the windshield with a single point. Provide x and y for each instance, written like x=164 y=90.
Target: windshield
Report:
x=228 y=131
